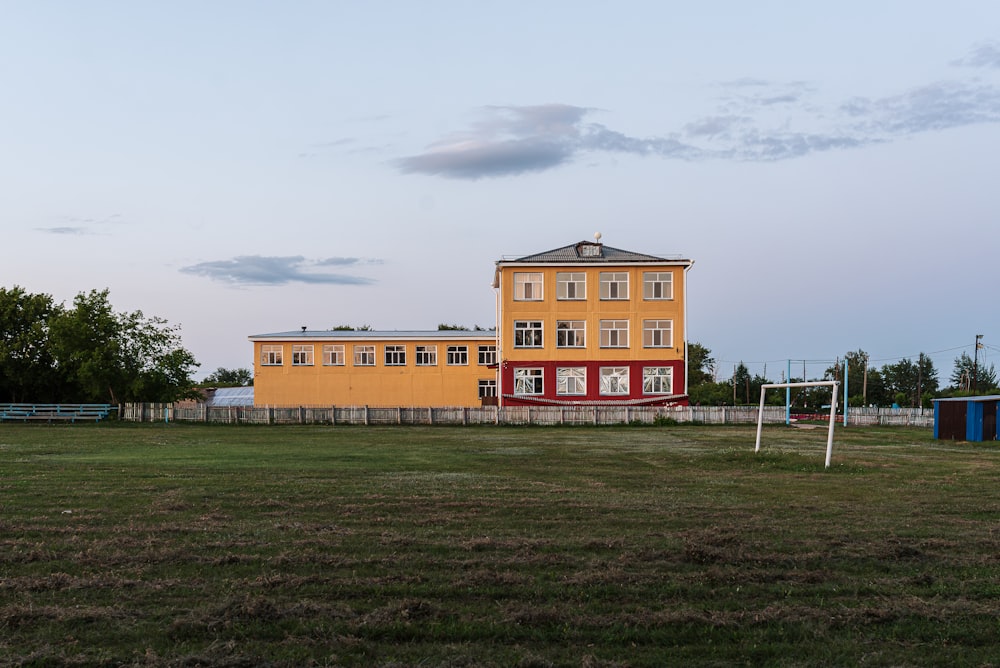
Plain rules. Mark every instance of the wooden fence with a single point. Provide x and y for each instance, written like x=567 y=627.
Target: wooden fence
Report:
x=537 y=415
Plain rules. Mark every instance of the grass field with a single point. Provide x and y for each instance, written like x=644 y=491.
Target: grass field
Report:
x=599 y=546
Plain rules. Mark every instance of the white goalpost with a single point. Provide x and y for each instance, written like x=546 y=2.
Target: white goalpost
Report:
x=833 y=410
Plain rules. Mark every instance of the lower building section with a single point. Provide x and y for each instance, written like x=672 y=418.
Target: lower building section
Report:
x=626 y=382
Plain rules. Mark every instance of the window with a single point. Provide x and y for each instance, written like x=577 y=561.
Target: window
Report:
x=364 y=355
x=657 y=380
x=571 y=334
x=527 y=286
x=426 y=356
x=302 y=355
x=657 y=333
x=614 y=285
x=614 y=380
x=528 y=381
x=333 y=355
x=395 y=355
x=527 y=333
x=458 y=355
x=657 y=285
x=487 y=388
x=614 y=333
x=270 y=355
x=572 y=380
x=571 y=285
x=487 y=355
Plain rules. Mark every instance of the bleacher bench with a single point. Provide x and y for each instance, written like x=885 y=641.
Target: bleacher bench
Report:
x=55 y=412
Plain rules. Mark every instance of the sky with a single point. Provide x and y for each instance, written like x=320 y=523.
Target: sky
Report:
x=242 y=167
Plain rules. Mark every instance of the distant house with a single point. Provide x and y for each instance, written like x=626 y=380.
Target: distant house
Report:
x=585 y=324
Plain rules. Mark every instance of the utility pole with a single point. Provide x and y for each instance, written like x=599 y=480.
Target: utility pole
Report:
x=864 y=383
x=975 y=365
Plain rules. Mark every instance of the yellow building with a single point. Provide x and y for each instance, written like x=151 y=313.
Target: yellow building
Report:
x=590 y=324
x=368 y=368
x=584 y=324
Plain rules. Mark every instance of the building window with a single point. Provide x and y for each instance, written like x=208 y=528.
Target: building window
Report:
x=614 y=380
x=426 y=356
x=364 y=355
x=571 y=334
x=527 y=286
x=657 y=380
x=487 y=388
x=333 y=355
x=395 y=355
x=571 y=285
x=614 y=333
x=458 y=355
x=657 y=285
x=657 y=333
x=528 y=381
x=571 y=380
x=487 y=355
x=527 y=333
x=302 y=355
x=614 y=285
x=270 y=355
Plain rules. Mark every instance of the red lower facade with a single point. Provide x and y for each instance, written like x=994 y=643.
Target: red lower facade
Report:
x=527 y=383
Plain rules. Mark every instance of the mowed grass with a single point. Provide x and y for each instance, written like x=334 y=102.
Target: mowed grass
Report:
x=600 y=546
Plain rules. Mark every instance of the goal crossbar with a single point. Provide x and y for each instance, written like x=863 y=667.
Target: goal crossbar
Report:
x=814 y=383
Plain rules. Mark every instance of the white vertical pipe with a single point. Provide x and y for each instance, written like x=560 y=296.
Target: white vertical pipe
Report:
x=760 y=418
x=833 y=418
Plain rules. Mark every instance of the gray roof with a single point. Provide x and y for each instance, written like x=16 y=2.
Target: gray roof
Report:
x=380 y=334
x=588 y=251
x=990 y=397
x=230 y=396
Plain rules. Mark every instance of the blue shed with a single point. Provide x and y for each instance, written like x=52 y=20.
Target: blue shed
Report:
x=966 y=418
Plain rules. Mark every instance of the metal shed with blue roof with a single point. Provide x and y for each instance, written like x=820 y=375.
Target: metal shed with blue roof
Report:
x=966 y=418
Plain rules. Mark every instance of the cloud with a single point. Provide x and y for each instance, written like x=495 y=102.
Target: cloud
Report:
x=66 y=230
x=755 y=121
x=261 y=270
x=984 y=55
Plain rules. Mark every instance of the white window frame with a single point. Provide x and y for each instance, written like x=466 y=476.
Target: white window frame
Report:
x=529 y=328
x=364 y=355
x=657 y=285
x=657 y=333
x=571 y=334
x=394 y=355
x=571 y=380
x=529 y=378
x=614 y=285
x=271 y=355
x=487 y=355
x=571 y=285
x=333 y=354
x=614 y=380
x=302 y=354
x=425 y=356
x=657 y=380
x=458 y=355
x=487 y=387
x=614 y=333
x=528 y=286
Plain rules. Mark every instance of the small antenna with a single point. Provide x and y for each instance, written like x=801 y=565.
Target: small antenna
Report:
x=303 y=329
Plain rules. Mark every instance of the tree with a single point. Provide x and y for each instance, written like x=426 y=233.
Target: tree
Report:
x=909 y=383
x=966 y=370
x=351 y=328
x=27 y=369
x=457 y=328
x=222 y=377
x=701 y=365
x=105 y=356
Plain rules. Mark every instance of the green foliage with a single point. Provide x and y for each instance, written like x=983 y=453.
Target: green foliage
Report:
x=351 y=328
x=442 y=327
x=223 y=377
x=973 y=377
x=701 y=365
x=88 y=352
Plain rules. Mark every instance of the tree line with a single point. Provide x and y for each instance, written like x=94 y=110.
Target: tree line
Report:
x=87 y=352
x=909 y=383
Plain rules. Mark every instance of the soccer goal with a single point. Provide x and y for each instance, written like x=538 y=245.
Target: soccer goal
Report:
x=814 y=383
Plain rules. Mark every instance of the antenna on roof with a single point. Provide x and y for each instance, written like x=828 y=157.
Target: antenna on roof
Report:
x=303 y=329
x=597 y=237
